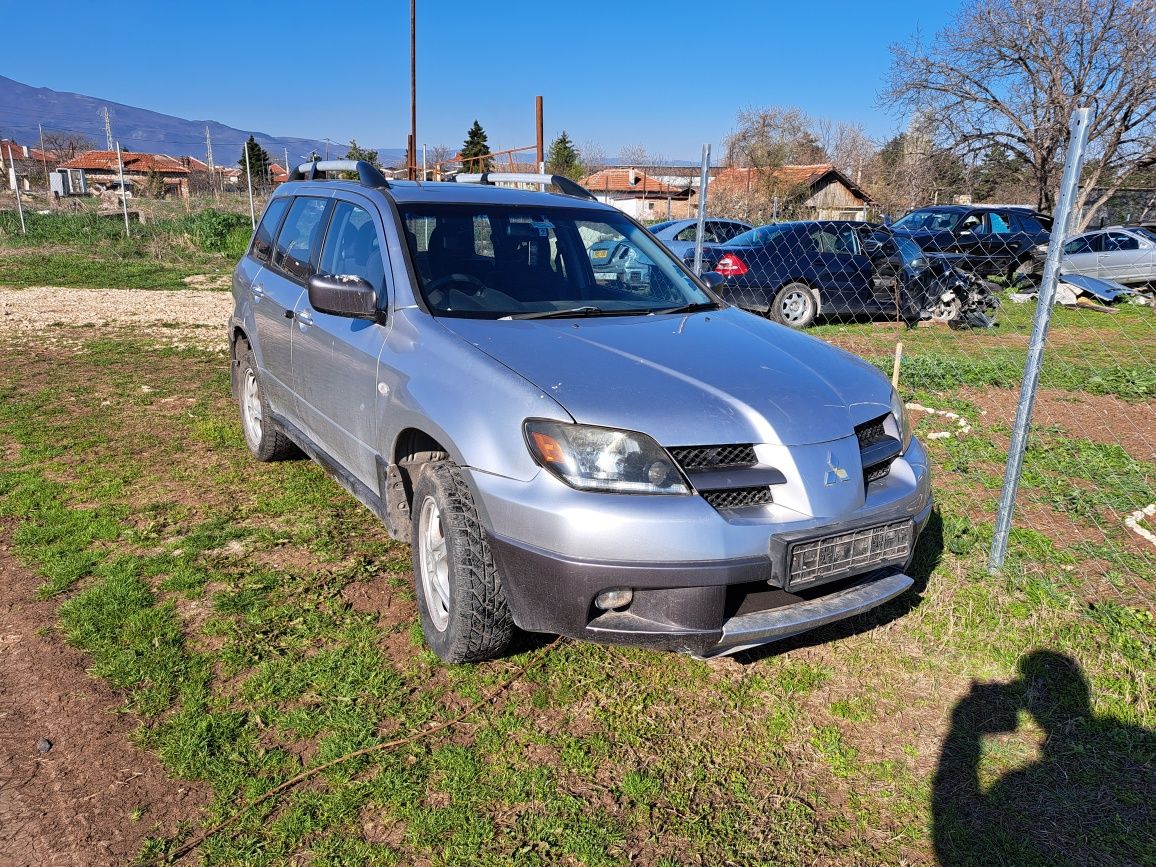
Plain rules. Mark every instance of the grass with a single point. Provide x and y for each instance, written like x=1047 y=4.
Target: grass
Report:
x=85 y=250
x=258 y=622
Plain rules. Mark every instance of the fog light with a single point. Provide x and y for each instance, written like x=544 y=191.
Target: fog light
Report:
x=608 y=600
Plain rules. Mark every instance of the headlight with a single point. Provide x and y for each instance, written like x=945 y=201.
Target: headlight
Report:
x=900 y=414
x=603 y=459
x=1040 y=250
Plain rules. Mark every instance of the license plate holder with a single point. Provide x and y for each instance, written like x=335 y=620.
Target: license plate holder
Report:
x=831 y=556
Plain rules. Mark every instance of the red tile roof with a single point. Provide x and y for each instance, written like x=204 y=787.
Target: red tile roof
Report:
x=618 y=181
x=133 y=162
x=10 y=151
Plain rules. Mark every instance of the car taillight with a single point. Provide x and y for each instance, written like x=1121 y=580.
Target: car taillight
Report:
x=731 y=265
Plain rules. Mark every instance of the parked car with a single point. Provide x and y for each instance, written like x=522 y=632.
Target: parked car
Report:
x=620 y=462
x=1118 y=253
x=993 y=241
x=796 y=273
x=678 y=235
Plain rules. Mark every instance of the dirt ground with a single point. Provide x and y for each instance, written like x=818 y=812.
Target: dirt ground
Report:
x=73 y=788
x=188 y=317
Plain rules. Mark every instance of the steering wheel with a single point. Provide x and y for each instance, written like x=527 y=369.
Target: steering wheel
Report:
x=441 y=283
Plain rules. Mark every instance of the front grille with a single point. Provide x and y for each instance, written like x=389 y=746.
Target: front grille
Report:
x=738 y=498
x=877 y=472
x=847 y=553
x=871 y=432
x=692 y=458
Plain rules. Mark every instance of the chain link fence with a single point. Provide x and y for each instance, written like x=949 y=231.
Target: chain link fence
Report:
x=946 y=299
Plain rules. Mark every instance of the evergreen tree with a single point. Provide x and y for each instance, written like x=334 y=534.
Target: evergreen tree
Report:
x=563 y=158
x=476 y=145
x=259 y=163
x=356 y=152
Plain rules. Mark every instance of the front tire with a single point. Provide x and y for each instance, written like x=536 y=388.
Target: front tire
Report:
x=265 y=440
x=460 y=597
x=795 y=305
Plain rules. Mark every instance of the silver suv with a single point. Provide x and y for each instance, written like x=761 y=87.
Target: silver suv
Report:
x=618 y=458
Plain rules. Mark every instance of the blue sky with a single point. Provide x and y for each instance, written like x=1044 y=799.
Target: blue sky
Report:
x=657 y=74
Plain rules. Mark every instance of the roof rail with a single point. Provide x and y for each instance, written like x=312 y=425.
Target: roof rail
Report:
x=368 y=175
x=569 y=187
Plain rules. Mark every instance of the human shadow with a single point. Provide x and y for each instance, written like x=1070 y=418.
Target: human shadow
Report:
x=1088 y=799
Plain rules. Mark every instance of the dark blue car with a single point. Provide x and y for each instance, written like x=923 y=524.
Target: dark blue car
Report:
x=798 y=272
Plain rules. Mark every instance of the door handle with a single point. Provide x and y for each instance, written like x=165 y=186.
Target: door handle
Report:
x=304 y=318
x=258 y=292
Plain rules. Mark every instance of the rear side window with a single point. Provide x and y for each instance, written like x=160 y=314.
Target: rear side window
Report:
x=1024 y=223
x=263 y=240
x=299 y=242
x=1120 y=241
x=352 y=247
x=726 y=231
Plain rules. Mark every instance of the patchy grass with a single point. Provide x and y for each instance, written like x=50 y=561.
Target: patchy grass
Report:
x=259 y=622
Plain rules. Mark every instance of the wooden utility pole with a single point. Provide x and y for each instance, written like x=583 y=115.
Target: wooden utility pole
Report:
x=541 y=140
x=411 y=157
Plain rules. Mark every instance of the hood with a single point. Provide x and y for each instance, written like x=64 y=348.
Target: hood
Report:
x=724 y=376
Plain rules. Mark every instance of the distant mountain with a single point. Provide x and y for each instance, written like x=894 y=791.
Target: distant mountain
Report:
x=22 y=107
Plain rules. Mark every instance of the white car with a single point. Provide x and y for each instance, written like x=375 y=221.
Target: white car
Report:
x=1125 y=255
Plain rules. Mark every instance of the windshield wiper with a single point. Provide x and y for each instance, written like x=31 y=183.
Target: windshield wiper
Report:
x=557 y=314
x=689 y=308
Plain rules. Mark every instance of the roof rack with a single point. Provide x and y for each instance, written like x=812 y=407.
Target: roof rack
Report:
x=368 y=175
x=566 y=185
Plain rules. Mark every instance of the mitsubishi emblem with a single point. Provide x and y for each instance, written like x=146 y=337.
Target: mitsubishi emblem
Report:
x=835 y=473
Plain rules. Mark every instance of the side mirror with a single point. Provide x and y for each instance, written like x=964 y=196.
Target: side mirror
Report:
x=872 y=245
x=342 y=295
x=713 y=279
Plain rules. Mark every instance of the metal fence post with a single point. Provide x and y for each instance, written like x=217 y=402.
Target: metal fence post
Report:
x=249 y=176
x=1073 y=163
x=123 y=192
x=703 y=180
x=19 y=202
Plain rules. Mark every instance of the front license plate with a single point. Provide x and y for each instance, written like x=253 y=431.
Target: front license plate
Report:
x=843 y=554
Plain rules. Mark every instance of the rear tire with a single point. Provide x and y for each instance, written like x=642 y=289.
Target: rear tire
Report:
x=795 y=305
x=460 y=597
x=265 y=440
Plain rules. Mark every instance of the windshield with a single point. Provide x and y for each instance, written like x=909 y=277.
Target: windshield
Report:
x=490 y=261
x=932 y=221
x=1143 y=233
x=760 y=236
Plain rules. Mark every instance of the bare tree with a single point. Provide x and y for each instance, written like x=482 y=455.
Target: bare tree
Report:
x=1009 y=73
x=66 y=145
x=634 y=155
x=593 y=157
x=767 y=138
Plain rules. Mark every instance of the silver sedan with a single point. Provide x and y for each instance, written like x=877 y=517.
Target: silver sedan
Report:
x=1125 y=255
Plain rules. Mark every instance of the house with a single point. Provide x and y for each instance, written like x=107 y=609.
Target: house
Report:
x=814 y=192
x=640 y=195
x=97 y=171
x=18 y=161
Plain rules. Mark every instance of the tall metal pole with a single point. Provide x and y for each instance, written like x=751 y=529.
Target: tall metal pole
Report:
x=1073 y=163
x=249 y=176
x=412 y=156
x=123 y=196
x=703 y=180
x=538 y=125
x=424 y=169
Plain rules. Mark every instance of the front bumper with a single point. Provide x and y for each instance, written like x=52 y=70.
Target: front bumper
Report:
x=704 y=583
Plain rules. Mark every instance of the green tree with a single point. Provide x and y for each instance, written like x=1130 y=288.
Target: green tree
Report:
x=259 y=163
x=476 y=146
x=356 y=152
x=563 y=158
x=1000 y=175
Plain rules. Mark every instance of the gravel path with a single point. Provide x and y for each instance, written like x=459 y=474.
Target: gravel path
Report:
x=185 y=317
